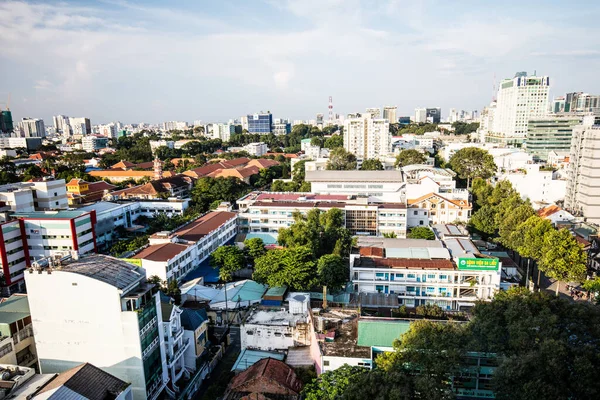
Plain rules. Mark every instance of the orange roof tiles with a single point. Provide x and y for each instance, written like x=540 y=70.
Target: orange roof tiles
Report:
x=160 y=252
x=548 y=211
x=201 y=227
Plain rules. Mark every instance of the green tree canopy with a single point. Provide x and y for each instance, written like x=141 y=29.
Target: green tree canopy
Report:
x=228 y=259
x=207 y=190
x=293 y=267
x=421 y=232
x=409 y=157
x=333 y=271
x=254 y=248
x=562 y=258
x=472 y=162
x=334 y=142
x=372 y=164
x=332 y=384
x=340 y=160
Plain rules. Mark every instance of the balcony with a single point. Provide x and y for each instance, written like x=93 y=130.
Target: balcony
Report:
x=177 y=353
x=148 y=350
x=22 y=334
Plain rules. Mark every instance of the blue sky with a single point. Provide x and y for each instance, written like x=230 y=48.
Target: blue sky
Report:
x=212 y=60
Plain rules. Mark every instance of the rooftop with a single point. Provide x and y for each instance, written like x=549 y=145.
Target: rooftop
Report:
x=396 y=243
x=13 y=309
x=404 y=263
x=461 y=247
x=273 y=371
x=120 y=274
x=191 y=319
x=101 y=206
x=204 y=225
x=344 y=326
x=161 y=252
x=50 y=214
x=274 y=317
x=443 y=230
x=354 y=176
x=381 y=332
x=248 y=358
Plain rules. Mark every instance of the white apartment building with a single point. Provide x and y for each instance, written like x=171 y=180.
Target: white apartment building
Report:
x=268 y=212
x=108 y=130
x=422 y=272
x=256 y=149
x=486 y=121
x=102 y=311
x=61 y=124
x=367 y=137
x=537 y=186
x=221 y=131
x=519 y=99
x=390 y=113
x=92 y=144
x=29 y=143
x=382 y=186
x=155 y=144
x=175 y=125
x=280 y=329
x=32 y=127
x=420 y=115
x=32 y=196
x=374 y=112
x=80 y=126
x=424 y=179
x=172 y=255
x=583 y=191
x=175 y=344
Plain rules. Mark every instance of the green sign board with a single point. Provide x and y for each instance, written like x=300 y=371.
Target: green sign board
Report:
x=134 y=261
x=478 y=264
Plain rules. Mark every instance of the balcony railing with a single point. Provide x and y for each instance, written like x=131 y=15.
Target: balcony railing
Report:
x=178 y=352
x=148 y=350
x=23 y=334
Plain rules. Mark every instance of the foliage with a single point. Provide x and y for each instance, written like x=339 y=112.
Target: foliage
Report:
x=379 y=385
x=511 y=218
x=464 y=128
x=322 y=232
x=409 y=157
x=421 y=232
x=390 y=235
x=332 y=271
x=341 y=160
x=254 y=248
x=371 y=165
x=416 y=128
x=208 y=190
x=8 y=171
x=332 y=384
x=562 y=257
x=473 y=162
x=292 y=267
x=124 y=246
x=334 y=142
x=430 y=310
x=228 y=259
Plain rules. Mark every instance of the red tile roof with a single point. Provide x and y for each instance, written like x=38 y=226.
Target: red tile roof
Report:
x=123 y=164
x=269 y=372
x=161 y=252
x=548 y=211
x=201 y=227
x=371 y=251
x=406 y=263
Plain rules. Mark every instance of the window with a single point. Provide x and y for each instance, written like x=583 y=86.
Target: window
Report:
x=411 y=276
x=326 y=363
x=416 y=213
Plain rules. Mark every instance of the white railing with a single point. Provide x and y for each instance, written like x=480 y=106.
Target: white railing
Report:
x=150 y=348
x=148 y=326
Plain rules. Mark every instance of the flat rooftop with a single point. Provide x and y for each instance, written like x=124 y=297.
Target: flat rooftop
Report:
x=50 y=214
x=274 y=318
x=394 y=176
x=345 y=341
x=107 y=269
x=204 y=225
x=404 y=263
x=396 y=243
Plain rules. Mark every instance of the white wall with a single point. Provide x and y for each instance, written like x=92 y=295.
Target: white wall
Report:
x=266 y=337
x=337 y=362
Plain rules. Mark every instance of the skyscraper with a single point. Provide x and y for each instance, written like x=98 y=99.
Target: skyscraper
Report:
x=6 y=122
x=519 y=100
x=32 y=127
x=366 y=137
x=550 y=133
x=581 y=102
x=374 y=111
x=433 y=115
x=420 y=115
x=389 y=113
x=80 y=126
x=61 y=124
x=260 y=122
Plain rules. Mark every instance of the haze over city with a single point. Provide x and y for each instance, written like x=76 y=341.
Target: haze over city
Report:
x=141 y=61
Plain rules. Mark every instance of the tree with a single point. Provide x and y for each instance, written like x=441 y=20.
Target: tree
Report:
x=332 y=271
x=421 y=232
x=380 y=385
x=372 y=164
x=473 y=162
x=334 y=142
x=332 y=384
x=562 y=258
x=409 y=157
x=292 y=267
x=254 y=248
x=509 y=223
x=207 y=190
x=228 y=259
x=341 y=160
x=483 y=221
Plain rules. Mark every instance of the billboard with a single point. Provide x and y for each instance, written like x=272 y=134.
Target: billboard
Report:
x=478 y=264
x=134 y=261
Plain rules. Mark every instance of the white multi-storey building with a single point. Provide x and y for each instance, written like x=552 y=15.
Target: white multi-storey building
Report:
x=367 y=137
x=420 y=115
x=175 y=125
x=108 y=130
x=583 y=190
x=537 y=186
x=222 y=131
x=390 y=113
x=374 y=112
x=32 y=127
x=31 y=196
x=385 y=186
x=172 y=255
x=268 y=212
x=80 y=126
x=175 y=344
x=94 y=143
x=102 y=311
x=61 y=124
x=423 y=272
x=256 y=149
x=519 y=99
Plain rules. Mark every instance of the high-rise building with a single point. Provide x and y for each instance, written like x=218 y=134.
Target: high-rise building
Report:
x=558 y=104
x=487 y=120
x=550 y=133
x=108 y=130
x=420 y=115
x=80 y=126
x=375 y=112
x=389 y=113
x=244 y=122
x=102 y=311
x=433 y=115
x=583 y=183
x=6 y=122
x=519 y=99
x=282 y=127
x=366 y=137
x=32 y=127
x=222 y=131
x=61 y=124
x=260 y=123
x=581 y=102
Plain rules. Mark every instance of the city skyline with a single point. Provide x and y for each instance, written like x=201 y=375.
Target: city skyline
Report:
x=140 y=61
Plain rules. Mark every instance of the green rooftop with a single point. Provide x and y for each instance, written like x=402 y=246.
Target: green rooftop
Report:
x=380 y=333
x=276 y=291
x=13 y=309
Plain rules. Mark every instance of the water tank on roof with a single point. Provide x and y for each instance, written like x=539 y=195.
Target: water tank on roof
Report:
x=298 y=303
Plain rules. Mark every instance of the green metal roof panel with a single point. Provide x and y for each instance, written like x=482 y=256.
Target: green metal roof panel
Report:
x=13 y=309
x=276 y=291
x=380 y=332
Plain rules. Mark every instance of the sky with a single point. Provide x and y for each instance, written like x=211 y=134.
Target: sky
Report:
x=153 y=61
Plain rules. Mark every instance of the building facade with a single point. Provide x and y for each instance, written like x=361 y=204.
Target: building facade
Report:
x=551 y=133
x=383 y=186
x=366 y=137
x=519 y=99
x=92 y=144
x=390 y=113
x=583 y=189
x=260 y=123
x=32 y=127
x=104 y=312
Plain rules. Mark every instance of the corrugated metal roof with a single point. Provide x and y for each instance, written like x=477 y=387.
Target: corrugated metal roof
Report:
x=380 y=332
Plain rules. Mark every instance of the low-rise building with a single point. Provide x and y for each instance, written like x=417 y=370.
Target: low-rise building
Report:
x=80 y=191
x=384 y=186
x=17 y=345
x=195 y=330
x=438 y=209
x=92 y=144
x=178 y=186
x=38 y=195
x=555 y=214
x=268 y=212
x=256 y=149
x=537 y=185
